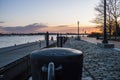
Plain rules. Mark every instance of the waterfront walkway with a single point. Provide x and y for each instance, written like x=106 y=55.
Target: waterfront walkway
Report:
x=95 y=41
x=11 y=54
x=98 y=63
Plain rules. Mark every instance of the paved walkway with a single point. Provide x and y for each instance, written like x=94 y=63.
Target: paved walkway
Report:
x=94 y=40
x=11 y=54
x=98 y=63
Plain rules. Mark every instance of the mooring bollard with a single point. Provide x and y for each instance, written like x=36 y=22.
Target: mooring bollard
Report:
x=47 y=39
x=57 y=40
x=52 y=39
x=61 y=41
x=56 y=64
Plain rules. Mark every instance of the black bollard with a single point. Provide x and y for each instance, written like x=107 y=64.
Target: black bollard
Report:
x=57 y=40
x=56 y=64
x=47 y=39
x=52 y=39
x=61 y=41
x=64 y=40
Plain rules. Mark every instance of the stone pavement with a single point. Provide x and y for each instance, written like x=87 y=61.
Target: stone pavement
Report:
x=99 y=63
x=94 y=40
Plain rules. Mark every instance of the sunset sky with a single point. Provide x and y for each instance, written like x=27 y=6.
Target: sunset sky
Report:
x=50 y=13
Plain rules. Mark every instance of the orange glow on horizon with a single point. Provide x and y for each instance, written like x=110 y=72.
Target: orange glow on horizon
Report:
x=52 y=29
x=69 y=29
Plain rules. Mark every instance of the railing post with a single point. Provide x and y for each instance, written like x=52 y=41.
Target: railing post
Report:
x=47 y=39
x=57 y=40
x=61 y=41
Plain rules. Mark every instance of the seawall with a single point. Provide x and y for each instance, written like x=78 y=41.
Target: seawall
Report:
x=14 y=60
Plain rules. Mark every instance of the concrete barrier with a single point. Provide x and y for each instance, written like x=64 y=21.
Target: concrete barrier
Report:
x=18 y=70
x=11 y=48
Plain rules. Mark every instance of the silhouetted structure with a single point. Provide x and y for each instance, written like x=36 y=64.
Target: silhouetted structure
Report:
x=105 y=35
x=78 y=31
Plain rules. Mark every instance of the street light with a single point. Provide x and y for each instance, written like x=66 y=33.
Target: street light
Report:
x=78 y=27
x=105 y=43
x=105 y=34
x=78 y=31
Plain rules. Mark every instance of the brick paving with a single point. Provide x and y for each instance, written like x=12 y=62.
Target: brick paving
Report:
x=99 y=63
x=94 y=40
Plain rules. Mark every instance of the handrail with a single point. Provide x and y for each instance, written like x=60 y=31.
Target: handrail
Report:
x=51 y=71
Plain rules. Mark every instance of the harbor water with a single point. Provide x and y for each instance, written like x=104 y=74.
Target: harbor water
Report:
x=6 y=41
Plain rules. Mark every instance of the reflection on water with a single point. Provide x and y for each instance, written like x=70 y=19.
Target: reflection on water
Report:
x=6 y=41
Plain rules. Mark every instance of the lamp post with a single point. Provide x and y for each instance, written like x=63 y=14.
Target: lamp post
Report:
x=105 y=34
x=78 y=38
x=115 y=22
x=78 y=31
x=105 y=43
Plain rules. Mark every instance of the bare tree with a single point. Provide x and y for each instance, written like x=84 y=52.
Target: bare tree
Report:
x=115 y=12
x=112 y=12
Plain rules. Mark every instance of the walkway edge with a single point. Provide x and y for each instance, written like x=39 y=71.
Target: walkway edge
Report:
x=117 y=49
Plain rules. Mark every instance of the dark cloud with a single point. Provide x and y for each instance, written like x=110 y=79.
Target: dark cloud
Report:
x=32 y=28
x=63 y=26
x=2 y=22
